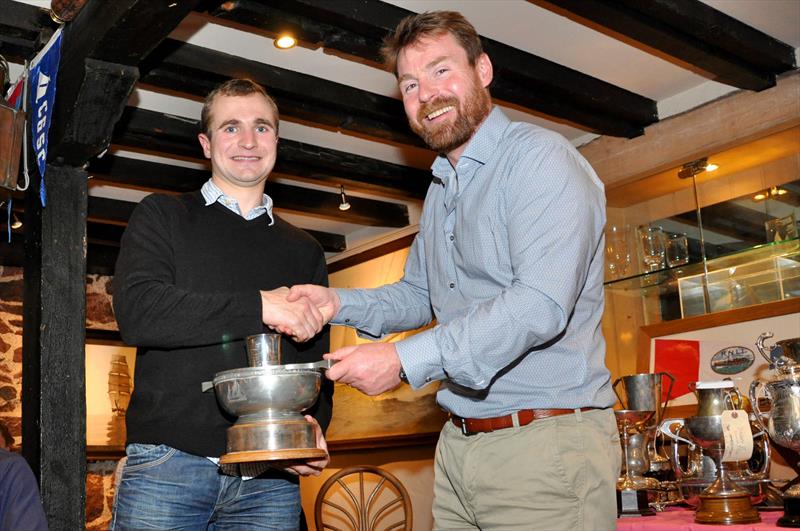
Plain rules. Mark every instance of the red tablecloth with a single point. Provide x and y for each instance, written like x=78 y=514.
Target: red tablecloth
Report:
x=682 y=519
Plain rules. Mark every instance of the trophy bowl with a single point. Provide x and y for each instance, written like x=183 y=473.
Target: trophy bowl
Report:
x=270 y=390
x=268 y=402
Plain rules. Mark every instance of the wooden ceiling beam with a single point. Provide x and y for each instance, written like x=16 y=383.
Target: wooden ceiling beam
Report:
x=356 y=27
x=23 y=30
x=691 y=32
x=107 y=219
x=195 y=70
x=163 y=133
x=99 y=53
x=177 y=179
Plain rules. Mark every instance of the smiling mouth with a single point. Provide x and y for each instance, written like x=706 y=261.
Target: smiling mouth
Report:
x=246 y=159
x=439 y=112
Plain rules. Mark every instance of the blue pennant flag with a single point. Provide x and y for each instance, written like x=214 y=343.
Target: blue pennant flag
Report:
x=42 y=79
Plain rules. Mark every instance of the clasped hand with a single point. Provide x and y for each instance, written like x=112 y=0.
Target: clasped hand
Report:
x=300 y=312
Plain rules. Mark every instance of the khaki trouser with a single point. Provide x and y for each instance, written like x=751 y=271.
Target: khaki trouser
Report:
x=554 y=474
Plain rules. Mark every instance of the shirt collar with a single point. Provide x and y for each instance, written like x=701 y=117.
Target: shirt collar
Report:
x=213 y=194
x=481 y=146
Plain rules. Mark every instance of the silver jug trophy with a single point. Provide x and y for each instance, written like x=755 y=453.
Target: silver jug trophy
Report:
x=632 y=487
x=268 y=399
x=700 y=470
x=642 y=392
x=724 y=501
x=782 y=422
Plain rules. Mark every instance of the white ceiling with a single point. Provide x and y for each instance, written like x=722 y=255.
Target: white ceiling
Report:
x=518 y=23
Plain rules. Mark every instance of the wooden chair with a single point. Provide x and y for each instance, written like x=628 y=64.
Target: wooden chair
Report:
x=368 y=497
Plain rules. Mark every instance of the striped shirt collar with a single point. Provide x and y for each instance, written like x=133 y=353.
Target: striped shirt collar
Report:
x=213 y=194
x=481 y=146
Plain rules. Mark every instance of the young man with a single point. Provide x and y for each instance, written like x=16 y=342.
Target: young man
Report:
x=509 y=261
x=197 y=273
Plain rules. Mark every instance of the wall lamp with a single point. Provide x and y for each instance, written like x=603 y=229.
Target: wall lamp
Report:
x=690 y=169
x=344 y=204
x=16 y=223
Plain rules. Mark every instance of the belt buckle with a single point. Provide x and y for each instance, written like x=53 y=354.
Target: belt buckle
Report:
x=464 y=430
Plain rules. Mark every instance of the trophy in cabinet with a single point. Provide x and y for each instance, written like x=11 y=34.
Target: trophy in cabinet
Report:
x=783 y=420
x=642 y=392
x=724 y=501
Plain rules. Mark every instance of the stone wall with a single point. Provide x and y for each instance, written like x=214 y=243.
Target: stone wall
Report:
x=99 y=480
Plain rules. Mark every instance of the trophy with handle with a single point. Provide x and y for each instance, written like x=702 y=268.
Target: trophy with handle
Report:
x=642 y=392
x=783 y=420
x=723 y=433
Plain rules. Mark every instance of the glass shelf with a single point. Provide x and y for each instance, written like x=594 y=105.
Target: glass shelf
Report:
x=763 y=273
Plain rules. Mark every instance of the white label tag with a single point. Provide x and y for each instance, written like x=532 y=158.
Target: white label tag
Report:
x=738 y=436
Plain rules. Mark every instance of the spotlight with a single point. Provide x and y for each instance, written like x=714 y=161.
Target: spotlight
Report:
x=285 y=41
x=16 y=223
x=344 y=204
x=690 y=169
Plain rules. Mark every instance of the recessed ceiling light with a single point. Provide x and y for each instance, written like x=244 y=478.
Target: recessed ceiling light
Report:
x=711 y=166
x=284 y=42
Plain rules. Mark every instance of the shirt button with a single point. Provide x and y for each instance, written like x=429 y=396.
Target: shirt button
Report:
x=452 y=285
x=428 y=379
x=452 y=237
x=347 y=320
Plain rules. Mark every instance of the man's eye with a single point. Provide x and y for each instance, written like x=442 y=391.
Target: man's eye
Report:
x=409 y=87
x=230 y=129
x=441 y=71
x=262 y=129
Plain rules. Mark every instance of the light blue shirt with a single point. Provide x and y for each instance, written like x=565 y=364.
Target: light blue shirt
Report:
x=509 y=261
x=213 y=194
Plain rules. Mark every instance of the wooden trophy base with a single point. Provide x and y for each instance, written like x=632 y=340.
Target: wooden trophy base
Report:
x=272 y=455
x=726 y=510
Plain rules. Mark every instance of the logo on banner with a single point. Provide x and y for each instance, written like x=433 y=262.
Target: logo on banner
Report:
x=42 y=118
x=43 y=73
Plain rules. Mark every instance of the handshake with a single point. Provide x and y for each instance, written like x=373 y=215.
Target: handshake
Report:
x=299 y=312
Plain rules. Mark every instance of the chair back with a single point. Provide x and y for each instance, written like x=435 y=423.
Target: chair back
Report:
x=363 y=498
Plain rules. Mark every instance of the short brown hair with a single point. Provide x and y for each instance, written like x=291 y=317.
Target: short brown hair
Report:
x=414 y=27
x=234 y=87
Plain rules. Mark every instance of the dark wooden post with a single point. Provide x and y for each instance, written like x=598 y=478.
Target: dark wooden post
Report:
x=53 y=337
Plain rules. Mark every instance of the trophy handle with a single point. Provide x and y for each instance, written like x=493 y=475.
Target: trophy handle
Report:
x=614 y=387
x=760 y=345
x=666 y=429
x=764 y=470
x=729 y=397
x=754 y=385
x=669 y=392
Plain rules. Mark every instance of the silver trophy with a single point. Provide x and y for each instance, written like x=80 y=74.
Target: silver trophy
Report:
x=268 y=399
x=724 y=501
x=642 y=392
x=783 y=420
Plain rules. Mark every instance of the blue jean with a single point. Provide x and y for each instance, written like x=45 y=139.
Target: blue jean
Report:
x=164 y=488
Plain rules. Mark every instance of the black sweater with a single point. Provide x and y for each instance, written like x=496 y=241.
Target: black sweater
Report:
x=186 y=293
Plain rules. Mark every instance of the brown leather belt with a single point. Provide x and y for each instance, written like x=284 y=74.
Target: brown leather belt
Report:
x=525 y=416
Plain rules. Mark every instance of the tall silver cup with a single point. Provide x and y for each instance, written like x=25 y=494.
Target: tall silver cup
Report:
x=263 y=349
x=642 y=392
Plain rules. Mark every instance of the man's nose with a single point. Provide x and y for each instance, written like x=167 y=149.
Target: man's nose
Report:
x=427 y=91
x=247 y=139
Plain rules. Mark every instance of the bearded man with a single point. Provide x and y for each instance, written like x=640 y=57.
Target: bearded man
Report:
x=509 y=261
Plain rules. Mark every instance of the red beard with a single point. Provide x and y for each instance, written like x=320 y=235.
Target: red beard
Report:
x=448 y=136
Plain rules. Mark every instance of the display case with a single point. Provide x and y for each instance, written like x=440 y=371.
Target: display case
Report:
x=764 y=273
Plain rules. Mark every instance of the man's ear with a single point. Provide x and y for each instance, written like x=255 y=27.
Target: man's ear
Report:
x=205 y=142
x=485 y=69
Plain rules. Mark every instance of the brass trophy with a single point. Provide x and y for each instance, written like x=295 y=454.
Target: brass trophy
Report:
x=724 y=501
x=642 y=392
x=783 y=419
x=268 y=399
x=632 y=487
